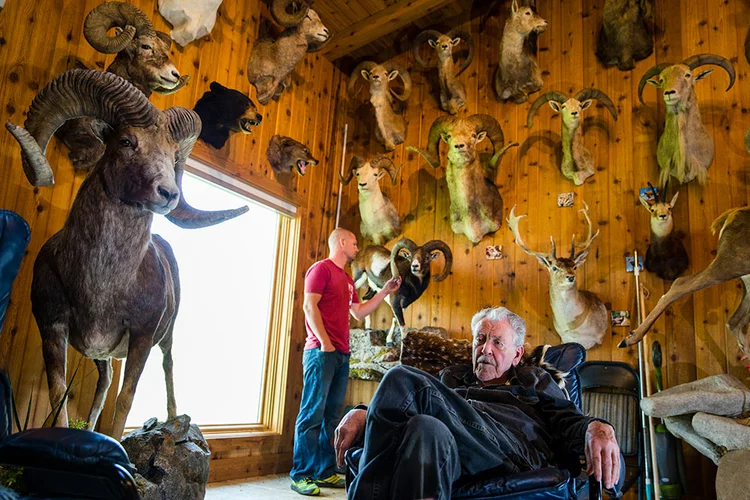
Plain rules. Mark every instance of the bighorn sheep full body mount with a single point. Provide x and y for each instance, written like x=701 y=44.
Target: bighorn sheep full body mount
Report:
x=625 y=36
x=142 y=59
x=732 y=261
x=375 y=265
x=685 y=149
x=391 y=126
x=380 y=219
x=271 y=62
x=476 y=206
x=104 y=283
x=578 y=315
x=518 y=74
x=666 y=255
x=452 y=91
x=577 y=161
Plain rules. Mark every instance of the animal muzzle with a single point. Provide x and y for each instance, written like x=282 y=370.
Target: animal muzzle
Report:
x=169 y=77
x=570 y=278
x=323 y=35
x=246 y=123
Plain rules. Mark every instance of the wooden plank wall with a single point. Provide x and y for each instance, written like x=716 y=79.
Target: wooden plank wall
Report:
x=692 y=333
x=41 y=39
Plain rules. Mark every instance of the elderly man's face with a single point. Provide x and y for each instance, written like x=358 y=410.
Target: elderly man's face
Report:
x=494 y=350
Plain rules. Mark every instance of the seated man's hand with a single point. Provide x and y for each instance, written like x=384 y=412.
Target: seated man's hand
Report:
x=349 y=430
x=602 y=454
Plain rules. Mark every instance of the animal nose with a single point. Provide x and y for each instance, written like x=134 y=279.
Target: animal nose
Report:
x=570 y=279
x=175 y=73
x=459 y=146
x=574 y=113
x=670 y=92
x=167 y=193
x=258 y=118
x=662 y=216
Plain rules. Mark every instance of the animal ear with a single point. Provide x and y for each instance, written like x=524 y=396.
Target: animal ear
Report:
x=674 y=199
x=585 y=104
x=645 y=203
x=380 y=174
x=514 y=6
x=654 y=83
x=365 y=74
x=555 y=106
x=580 y=259
x=481 y=135
x=393 y=74
x=433 y=43
x=164 y=38
x=543 y=261
x=434 y=255
x=217 y=87
x=703 y=74
x=456 y=41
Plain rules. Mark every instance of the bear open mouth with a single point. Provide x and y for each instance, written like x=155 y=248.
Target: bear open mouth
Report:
x=301 y=166
x=245 y=125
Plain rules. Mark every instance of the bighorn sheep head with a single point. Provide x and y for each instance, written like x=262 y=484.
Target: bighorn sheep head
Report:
x=146 y=149
x=304 y=20
x=142 y=52
x=379 y=75
x=420 y=257
x=285 y=155
x=677 y=80
x=369 y=173
x=570 y=107
x=443 y=45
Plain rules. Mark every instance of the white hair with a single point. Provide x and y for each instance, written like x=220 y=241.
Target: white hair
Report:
x=499 y=314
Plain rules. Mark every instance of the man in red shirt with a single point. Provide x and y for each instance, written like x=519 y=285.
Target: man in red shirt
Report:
x=329 y=299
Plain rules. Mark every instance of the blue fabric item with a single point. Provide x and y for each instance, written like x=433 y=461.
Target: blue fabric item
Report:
x=325 y=376
x=14 y=238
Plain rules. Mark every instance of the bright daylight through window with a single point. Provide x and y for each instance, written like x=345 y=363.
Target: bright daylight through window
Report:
x=226 y=276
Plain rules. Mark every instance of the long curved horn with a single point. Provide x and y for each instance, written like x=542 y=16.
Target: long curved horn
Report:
x=693 y=62
x=354 y=76
x=600 y=96
x=438 y=128
x=440 y=246
x=115 y=14
x=386 y=164
x=495 y=134
x=401 y=244
x=653 y=193
x=543 y=99
x=185 y=127
x=278 y=11
x=419 y=40
x=664 y=191
x=405 y=77
x=652 y=71
x=354 y=164
x=466 y=37
x=74 y=94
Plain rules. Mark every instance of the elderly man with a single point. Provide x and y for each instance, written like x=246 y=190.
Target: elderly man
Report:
x=420 y=435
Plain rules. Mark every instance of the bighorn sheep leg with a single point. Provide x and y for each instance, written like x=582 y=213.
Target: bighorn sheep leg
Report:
x=104 y=367
x=54 y=351
x=741 y=317
x=169 y=379
x=138 y=350
x=398 y=315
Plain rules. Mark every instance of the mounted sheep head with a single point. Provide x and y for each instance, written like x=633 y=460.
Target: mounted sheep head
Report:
x=666 y=255
x=391 y=126
x=224 y=110
x=286 y=155
x=272 y=61
x=625 y=36
x=577 y=161
x=685 y=149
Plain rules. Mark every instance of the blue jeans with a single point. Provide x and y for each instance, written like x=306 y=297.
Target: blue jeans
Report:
x=325 y=375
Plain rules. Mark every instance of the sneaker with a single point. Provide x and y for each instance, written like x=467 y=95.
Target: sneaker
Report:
x=306 y=487
x=334 y=481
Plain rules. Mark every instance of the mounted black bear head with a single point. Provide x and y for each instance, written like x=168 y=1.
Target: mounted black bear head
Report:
x=224 y=110
x=285 y=155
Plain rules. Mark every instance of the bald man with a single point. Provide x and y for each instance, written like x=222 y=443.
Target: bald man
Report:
x=329 y=299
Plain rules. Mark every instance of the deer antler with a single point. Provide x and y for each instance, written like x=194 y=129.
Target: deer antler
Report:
x=584 y=248
x=513 y=225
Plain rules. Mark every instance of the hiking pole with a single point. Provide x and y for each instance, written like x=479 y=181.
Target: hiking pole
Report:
x=341 y=185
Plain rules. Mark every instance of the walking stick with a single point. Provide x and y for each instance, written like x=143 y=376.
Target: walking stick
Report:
x=341 y=186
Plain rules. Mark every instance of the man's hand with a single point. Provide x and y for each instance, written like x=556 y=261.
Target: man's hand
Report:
x=349 y=430
x=327 y=347
x=392 y=285
x=602 y=454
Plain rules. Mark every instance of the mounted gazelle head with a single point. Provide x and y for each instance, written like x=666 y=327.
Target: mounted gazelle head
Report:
x=378 y=75
x=525 y=20
x=368 y=173
x=661 y=212
x=570 y=108
x=444 y=45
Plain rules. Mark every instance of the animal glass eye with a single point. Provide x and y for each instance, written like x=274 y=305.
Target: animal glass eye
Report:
x=554 y=268
x=146 y=47
x=126 y=143
x=528 y=13
x=688 y=75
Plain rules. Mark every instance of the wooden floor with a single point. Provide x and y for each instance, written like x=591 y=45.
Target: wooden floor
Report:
x=274 y=487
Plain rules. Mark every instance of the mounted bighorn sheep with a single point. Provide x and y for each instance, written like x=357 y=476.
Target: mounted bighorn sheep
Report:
x=578 y=315
x=286 y=155
x=476 y=206
x=625 y=36
x=518 y=74
x=732 y=261
x=142 y=59
x=685 y=149
x=380 y=219
x=577 y=161
x=452 y=91
x=375 y=265
x=666 y=255
x=104 y=283
x=391 y=125
x=272 y=61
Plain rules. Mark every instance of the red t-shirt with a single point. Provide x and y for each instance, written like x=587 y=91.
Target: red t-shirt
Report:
x=337 y=295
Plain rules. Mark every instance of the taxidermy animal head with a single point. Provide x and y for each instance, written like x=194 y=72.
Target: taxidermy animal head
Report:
x=190 y=20
x=452 y=91
x=577 y=161
x=272 y=61
x=476 y=206
x=666 y=256
x=685 y=149
x=625 y=36
x=224 y=110
x=579 y=315
x=391 y=125
x=380 y=219
x=286 y=155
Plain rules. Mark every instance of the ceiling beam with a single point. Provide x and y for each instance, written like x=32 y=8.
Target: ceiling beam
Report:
x=379 y=25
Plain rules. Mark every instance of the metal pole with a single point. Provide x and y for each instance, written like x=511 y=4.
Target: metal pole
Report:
x=341 y=169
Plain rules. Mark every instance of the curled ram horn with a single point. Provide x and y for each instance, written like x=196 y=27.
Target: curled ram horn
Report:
x=405 y=77
x=281 y=16
x=440 y=246
x=419 y=40
x=403 y=243
x=466 y=37
x=386 y=164
x=488 y=124
x=110 y=15
x=693 y=62
x=439 y=127
x=652 y=72
x=592 y=93
x=552 y=95
x=356 y=73
x=354 y=164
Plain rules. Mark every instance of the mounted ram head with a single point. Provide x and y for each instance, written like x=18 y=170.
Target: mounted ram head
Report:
x=625 y=36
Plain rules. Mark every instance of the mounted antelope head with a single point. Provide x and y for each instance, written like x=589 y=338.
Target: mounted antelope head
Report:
x=666 y=255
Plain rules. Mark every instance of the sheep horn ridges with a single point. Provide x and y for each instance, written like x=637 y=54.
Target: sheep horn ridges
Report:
x=543 y=99
x=463 y=34
x=592 y=93
x=402 y=243
x=386 y=164
x=280 y=15
x=440 y=246
x=495 y=134
x=438 y=128
x=405 y=77
x=419 y=40
x=354 y=164
x=693 y=62
x=74 y=94
x=115 y=14
x=653 y=71
x=364 y=65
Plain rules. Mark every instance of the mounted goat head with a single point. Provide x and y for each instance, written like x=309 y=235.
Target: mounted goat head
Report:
x=518 y=74
x=375 y=265
x=452 y=91
x=577 y=161
x=476 y=206
x=104 y=283
x=666 y=256
x=286 y=155
x=272 y=61
x=380 y=219
x=685 y=149
x=189 y=20
x=224 y=110
x=579 y=315
x=732 y=261
x=391 y=126
x=625 y=36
